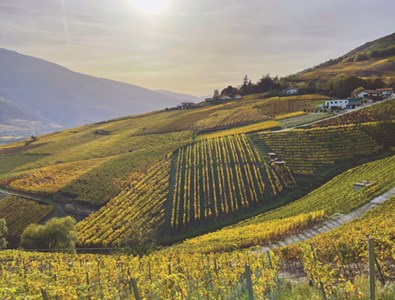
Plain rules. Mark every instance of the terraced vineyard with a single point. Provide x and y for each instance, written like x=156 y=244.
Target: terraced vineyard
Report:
x=378 y=224
x=20 y=213
x=220 y=176
x=139 y=206
x=285 y=105
x=305 y=151
x=384 y=111
x=167 y=275
x=49 y=180
x=261 y=234
x=336 y=196
x=229 y=118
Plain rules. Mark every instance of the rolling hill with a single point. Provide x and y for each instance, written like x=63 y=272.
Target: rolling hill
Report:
x=371 y=60
x=181 y=172
x=68 y=98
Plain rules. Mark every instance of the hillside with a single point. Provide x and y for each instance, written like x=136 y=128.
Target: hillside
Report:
x=179 y=173
x=373 y=59
x=68 y=98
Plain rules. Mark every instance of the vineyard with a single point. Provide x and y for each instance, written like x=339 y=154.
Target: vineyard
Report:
x=19 y=213
x=256 y=127
x=49 y=180
x=168 y=275
x=382 y=132
x=378 y=224
x=261 y=234
x=384 y=111
x=122 y=219
x=284 y=105
x=229 y=118
x=336 y=196
x=221 y=176
x=305 y=151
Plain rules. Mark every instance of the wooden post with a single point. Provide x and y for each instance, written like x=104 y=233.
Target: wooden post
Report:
x=372 y=287
x=135 y=289
x=249 y=283
x=44 y=294
x=380 y=271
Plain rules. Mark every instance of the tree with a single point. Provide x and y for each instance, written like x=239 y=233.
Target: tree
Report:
x=266 y=83
x=355 y=92
x=216 y=95
x=342 y=85
x=57 y=233
x=244 y=86
x=3 y=232
x=230 y=91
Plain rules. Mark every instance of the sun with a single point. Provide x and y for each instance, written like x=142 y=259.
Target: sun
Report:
x=150 y=7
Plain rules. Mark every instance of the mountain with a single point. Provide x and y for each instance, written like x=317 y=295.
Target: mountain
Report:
x=373 y=59
x=68 y=98
x=182 y=96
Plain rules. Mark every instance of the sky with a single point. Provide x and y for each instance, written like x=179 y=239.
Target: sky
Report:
x=191 y=46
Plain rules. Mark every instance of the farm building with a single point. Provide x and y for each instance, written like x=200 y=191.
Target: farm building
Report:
x=185 y=105
x=341 y=103
x=291 y=91
x=376 y=95
x=354 y=102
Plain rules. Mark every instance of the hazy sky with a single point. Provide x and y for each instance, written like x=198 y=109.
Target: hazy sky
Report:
x=191 y=46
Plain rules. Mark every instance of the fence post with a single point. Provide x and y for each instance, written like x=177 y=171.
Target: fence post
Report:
x=249 y=283
x=135 y=289
x=372 y=287
x=44 y=294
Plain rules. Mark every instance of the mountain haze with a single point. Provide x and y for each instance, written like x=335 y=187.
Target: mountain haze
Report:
x=68 y=98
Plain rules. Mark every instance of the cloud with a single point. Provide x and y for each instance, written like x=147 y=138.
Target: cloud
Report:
x=195 y=46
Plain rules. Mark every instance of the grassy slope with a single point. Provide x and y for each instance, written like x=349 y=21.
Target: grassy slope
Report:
x=102 y=164
x=348 y=64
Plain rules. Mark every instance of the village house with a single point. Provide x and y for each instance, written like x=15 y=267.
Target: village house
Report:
x=291 y=91
x=185 y=105
x=376 y=95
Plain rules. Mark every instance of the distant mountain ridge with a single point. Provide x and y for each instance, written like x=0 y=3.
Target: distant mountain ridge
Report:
x=68 y=98
x=182 y=96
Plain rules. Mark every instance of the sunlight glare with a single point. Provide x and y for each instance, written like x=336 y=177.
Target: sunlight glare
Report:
x=150 y=6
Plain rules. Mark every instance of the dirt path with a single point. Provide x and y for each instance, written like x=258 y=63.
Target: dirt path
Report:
x=334 y=222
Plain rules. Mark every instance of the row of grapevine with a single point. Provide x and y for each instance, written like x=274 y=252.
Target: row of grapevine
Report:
x=258 y=234
x=141 y=205
x=20 y=213
x=279 y=106
x=229 y=118
x=102 y=183
x=378 y=224
x=220 y=176
x=307 y=150
x=167 y=275
x=50 y=179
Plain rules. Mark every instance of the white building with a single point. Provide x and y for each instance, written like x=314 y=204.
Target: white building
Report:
x=336 y=103
x=363 y=94
x=224 y=97
x=291 y=91
x=237 y=97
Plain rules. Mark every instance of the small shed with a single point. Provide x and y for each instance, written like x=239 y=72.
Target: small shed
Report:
x=273 y=156
x=362 y=184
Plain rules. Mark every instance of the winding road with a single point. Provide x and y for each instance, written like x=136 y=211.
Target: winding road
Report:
x=333 y=222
